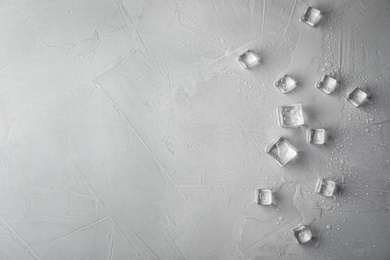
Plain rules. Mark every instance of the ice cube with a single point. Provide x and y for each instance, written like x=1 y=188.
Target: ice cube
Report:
x=326 y=187
x=263 y=197
x=357 y=97
x=285 y=84
x=302 y=234
x=311 y=16
x=281 y=150
x=248 y=59
x=316 y=136
x=290 y=116
x=327 y=84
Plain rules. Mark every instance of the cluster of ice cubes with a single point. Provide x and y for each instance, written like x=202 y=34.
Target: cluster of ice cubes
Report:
x=249 y=58
x=291 y=116
x=356 y=97
x=325 y=187
x=285 y=83
x=280 y=149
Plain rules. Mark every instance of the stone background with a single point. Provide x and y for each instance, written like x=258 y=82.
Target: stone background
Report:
x=129 y=131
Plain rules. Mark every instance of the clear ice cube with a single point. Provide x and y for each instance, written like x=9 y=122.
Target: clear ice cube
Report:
x=285 y=84
x=327 y=84
x=281 y=150
x=326 y=187
x=263 y=197
x=290 y=116
x=248 y=59
x=357 y=97
x=316 y=136
x=311 y=16
x=302 y=234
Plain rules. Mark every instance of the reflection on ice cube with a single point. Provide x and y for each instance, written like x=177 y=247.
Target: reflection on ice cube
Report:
x=311 y=16
x=248 y=59
x=316 y=136
x=326 y=187
x=290 y=116
x=263 y=197
x=357 y=97
x=285 y=84
x=281 y=150
x=302 y=234
x=327 y=84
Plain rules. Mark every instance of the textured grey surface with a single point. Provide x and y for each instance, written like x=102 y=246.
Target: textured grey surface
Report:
x=129 y=130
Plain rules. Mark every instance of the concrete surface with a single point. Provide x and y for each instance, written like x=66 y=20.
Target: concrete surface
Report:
x=129 y=131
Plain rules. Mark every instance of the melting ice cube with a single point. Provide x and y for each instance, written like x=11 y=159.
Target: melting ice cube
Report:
x=263 y=197
x=326 y=187
x=357 y=97
x=316 y=136
x=327 y=84
x=248 y=59
x=311 y=16
x=290 y=116
x=302 y=234
x=285 y=84
x=281 y=150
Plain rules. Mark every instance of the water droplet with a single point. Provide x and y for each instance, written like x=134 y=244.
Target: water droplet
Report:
x=328 y=207
x=328 y=64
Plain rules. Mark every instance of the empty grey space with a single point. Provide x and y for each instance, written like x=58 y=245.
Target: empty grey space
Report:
x=129 y=130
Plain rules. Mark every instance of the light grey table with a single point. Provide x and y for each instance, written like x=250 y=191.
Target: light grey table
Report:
x=129 y=131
